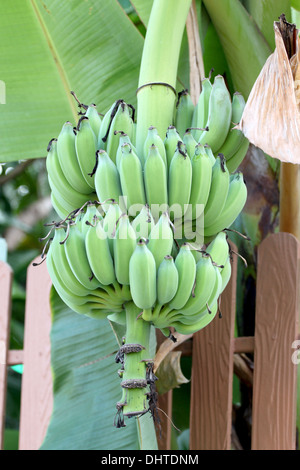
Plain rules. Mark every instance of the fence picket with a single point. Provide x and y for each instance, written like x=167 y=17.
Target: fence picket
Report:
x=212 y=374
x=5 y=314
x=36 y=399
x=276 y=328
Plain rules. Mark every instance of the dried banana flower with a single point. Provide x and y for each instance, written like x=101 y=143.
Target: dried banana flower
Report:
x=271 y=118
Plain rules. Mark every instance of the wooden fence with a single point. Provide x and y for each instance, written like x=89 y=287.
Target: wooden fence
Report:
x=214 y=351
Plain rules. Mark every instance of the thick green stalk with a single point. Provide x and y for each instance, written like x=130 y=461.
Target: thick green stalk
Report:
x=159 y=65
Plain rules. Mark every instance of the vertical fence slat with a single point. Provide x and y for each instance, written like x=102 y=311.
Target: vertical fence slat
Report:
x=212 y=374
x=165 y=402
x=5 y=314
x=36 y=401
x=276 y=328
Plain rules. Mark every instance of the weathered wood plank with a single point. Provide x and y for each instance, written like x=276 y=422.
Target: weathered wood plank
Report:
x=276 y=328
x=5 y=314
x=212 y=375
x=36 y=400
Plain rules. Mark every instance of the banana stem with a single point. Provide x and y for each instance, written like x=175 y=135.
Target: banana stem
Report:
x=156 y=94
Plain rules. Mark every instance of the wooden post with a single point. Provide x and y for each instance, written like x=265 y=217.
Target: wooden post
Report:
x=276 y=328
x=36 y=400
x=212 y=375
x=5 y=313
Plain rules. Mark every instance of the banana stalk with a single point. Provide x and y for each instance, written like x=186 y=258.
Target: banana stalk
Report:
x=156 y=95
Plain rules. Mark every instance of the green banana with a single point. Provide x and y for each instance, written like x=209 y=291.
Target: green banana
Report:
x=105 y=125
x=142 y=276
x=57 y=179
x=180 y=181
x=201 y=111
x=234 y=204
x=59 y=208
x=226 y=273
x=153 y=138
x=122 y=121
x=68 y=159
x=110 y=220
x=219 y=117
x=131 y=179
x=171 y=143
x=218 y=249
x=94 y=119
x=143 y=223
x=218 y=191
x=99 y=255
x=186 y=267
x=86 y=146
x=205 y=282
x=234 y=162
x=184 y=112
x=201 y=181
x=190 y=143
x=199 y=325
x=161 y=239
x=167 y=280
x=124 y=245
x=107 y=179
x=235 y=136
x=57 y=196
x=155 y=180
x=77 y=258
x=123 y=139
x=210 y=154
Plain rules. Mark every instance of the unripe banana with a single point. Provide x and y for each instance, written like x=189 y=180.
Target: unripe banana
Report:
x=110 y=220
x=201 y=111
x=208 y=150
x=123 y=139
x=91 y=216
x=155 y=180
x=205 y=281
x=186 y=267
x=107 y=179
x=201 y=181
x=77 y=258
x=184 y=112
x=153 y=138
x=59 y=182
x=167 y=280
x=142 y=276
x=180 y=181
x=218 y=249
x=68 y=159
x=143 y=223
x=226 y=273
x=62 y=266
x=199 y=325
x=190 y=143
x=59 y=208
x=161 y=239
x=171 y=143
x=86 y=146
x=218 y=191
x=235 y=136
x=234 y=162
x=57 y=196
x=124 y=246
x=219 y=117
x=99 y=255
x=105 y=125
x=94 y=119
x=131 y=179
x=234 y=204
x=122 y=121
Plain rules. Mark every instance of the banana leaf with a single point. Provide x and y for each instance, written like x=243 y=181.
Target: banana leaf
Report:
x=46 y=51
x=86 y=385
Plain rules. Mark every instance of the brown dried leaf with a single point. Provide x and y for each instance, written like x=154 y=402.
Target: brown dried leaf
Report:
x=169 y=373
x=271 y=119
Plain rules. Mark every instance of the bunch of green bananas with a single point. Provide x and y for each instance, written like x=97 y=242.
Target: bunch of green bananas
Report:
x=99 y=260
x=98 y=160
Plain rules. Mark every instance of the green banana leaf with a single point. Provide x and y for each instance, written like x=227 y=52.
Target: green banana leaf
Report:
x=86 y=385
x=266 y=12
x=245 y=47
x=47 y=50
